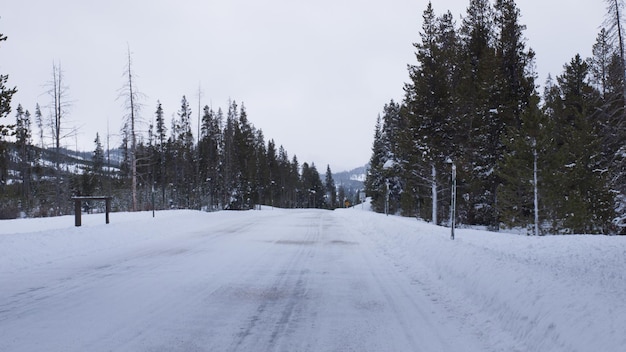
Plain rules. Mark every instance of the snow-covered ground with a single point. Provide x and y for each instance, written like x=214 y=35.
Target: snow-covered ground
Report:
x=303 y=280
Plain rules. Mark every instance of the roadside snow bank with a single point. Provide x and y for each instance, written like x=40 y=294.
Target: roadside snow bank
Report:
x=556 y=293
x=27 y=243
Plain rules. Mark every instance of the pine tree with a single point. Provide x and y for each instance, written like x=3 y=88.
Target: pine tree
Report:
x=160 y=175
x=261 y=182
x=312 y=189
x=39 y=122
x=210 y=151
x=98 y=164
x=229 y=174
x=38 y=169
x=23 y=143
x=607 y=76
x=275 y=178
x=374 y=181
x=517 y=81
x=600 y=62
x=331 y=190
x=341 y=196
x=528 y=147
x=429 y=138
x=576 y=185
x=480 y=145
x=294 y=182
x=184 y=171
x=288 y=179
x=5 y=100
x=125 y=162
x=516 y=121
x=246 y=163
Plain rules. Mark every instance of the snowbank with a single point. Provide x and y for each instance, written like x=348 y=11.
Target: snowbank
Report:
x=554 y=293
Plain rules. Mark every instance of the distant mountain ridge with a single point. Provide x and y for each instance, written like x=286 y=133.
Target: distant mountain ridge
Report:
x=353 y=180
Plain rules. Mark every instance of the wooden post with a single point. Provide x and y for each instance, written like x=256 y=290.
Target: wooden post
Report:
x=78 y=202
x=107 y=207
x=77 y=212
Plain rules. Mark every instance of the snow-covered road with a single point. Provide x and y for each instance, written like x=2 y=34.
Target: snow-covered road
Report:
x=301 y=280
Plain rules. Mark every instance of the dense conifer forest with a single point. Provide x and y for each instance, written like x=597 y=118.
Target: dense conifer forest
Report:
x=550 y=161
x=230 y=166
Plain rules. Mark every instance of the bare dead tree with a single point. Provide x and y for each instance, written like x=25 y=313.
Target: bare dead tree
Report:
x=615 y=9
x=131 y=97
x=58 y=91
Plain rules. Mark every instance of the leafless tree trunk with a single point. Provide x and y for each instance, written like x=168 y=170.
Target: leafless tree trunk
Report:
x=614 y=23
x=132 y=105
x=58 y=92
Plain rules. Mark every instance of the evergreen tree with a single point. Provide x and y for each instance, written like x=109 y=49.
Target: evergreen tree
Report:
x=246 y=163
x=600 y=62
x=23 y=143
x=607 y=76
x=294 y=182
x=288 y=179
x=210 y=149
x=341 y=196
x=375 y=179
x=517 y=81
x=98 y=164
x=395 y=171
x=576 y=189
x=261 y=182
x=188 y=155
x=478 y=95
x=39 y=186
x=276 y=179
x=517 y=121
x=183 y=156
x=98 y=156
x=312 y=189
x=160 y=175
x=331 y=190
x=429 y=138
x=387 y=173
x=229 y=159
x=5 y=100
x=90 y=181
x=528 y=149
x=39 y=122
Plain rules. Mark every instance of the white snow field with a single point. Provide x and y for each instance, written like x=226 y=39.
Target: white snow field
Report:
x=303 y=280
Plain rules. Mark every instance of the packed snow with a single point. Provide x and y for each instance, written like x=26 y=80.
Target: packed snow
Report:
x=303 y=280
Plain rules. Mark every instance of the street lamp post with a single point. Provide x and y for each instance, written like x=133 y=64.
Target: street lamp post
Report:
x=389 y=164
x=153 y=200
x=387 y=199
x=453 y=199
x=453 y=210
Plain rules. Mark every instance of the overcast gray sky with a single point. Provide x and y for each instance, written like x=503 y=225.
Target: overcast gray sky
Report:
x=313 y=75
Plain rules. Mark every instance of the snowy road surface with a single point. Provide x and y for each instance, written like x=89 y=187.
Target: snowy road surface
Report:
x=302 y=280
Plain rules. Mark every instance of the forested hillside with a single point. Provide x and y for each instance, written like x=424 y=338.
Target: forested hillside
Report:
x=230 y=166
x=548 y=162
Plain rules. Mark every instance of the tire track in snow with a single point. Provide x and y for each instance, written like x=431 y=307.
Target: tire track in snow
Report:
x=277 y=313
